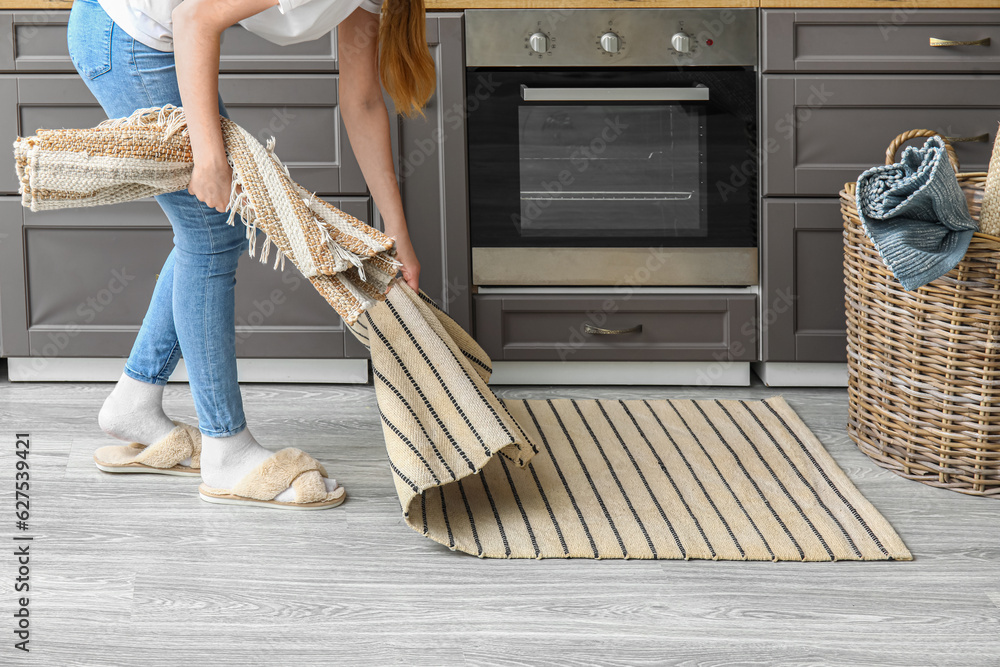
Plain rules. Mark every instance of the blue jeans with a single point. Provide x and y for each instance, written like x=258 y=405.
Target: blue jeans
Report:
x=192 y=311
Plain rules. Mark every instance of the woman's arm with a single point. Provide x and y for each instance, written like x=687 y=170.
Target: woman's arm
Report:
x=367 y=122
x=197 y=27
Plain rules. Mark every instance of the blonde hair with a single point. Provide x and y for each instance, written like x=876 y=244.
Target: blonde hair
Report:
x=405 y=64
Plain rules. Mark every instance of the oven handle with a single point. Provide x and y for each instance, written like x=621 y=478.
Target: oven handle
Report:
x=696 y=94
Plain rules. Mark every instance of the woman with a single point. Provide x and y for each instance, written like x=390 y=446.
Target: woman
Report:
x=144 y=53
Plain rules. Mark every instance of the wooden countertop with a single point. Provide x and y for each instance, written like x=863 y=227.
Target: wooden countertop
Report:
x=36 y=4
x=531 y=4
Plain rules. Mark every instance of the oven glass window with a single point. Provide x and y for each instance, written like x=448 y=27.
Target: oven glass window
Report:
x=612 y=170
x=596 y=167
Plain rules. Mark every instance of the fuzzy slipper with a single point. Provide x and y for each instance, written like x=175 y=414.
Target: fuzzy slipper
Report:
x=290 y=467
x=162 y=457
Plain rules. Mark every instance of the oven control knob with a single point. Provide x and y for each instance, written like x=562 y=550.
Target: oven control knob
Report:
x=681 y=42
x=539 y=42
x=610 y=42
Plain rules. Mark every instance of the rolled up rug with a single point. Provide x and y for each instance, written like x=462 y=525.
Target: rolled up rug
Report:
x=149 y=153
x=916 y=214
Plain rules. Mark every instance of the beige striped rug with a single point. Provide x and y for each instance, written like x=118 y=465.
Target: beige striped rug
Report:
x=725 y=480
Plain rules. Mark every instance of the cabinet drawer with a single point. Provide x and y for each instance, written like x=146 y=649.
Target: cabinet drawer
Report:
x=39 y=44
x=821 y=132
x=302 y=113
x=802 y=287
x=879 y=41
x=244 y=51
x=39 y=40
x=300 y=110
x=88 y=275
x=668 y=327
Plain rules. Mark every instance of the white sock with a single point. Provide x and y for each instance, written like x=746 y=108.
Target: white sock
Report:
x=134 y=413
x=225 y=461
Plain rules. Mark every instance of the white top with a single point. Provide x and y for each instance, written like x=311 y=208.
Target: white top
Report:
x=288 y=22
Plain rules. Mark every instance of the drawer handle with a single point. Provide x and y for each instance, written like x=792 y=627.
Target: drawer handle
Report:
x=985 y=41
x=981 y=138
x=591 y=329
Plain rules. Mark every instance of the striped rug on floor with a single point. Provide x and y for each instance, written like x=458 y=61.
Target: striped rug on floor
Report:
x=677 y=479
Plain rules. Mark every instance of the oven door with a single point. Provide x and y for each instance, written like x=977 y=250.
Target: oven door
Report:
x=564 y=163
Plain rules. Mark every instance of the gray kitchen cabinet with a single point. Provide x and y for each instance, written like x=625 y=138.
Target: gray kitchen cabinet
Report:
x=819 y=132
x=889 y=41
x=36 y=41
x=76 y=283
x=430 y=163
x=802 y=284
x=605 y=327
x=60 y=283
x=837 y=87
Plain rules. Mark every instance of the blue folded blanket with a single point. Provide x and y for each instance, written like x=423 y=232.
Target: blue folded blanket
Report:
x=916 y=215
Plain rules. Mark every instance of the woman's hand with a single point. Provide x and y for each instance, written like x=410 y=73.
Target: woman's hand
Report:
x=212 y=182
x=406 y=255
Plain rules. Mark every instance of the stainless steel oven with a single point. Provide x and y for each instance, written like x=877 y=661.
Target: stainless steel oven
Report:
x=601 y=138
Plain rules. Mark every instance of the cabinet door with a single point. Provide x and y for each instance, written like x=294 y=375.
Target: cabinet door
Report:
x=244 y=51
x=38 y=41
x=280 y=315
x=13 y=305
x=596 y=327
x=299 y=110
x=891 y=41
x=802 y=288
x=76 y=283
x=821 y=132
x=9 y=126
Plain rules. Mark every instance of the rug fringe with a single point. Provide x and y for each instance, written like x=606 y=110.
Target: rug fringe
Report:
x=171 y=117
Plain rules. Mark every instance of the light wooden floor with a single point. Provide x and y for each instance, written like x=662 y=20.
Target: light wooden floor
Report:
x=140 y=571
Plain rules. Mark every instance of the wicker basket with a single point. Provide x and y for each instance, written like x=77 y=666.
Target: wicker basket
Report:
x=924 y=366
